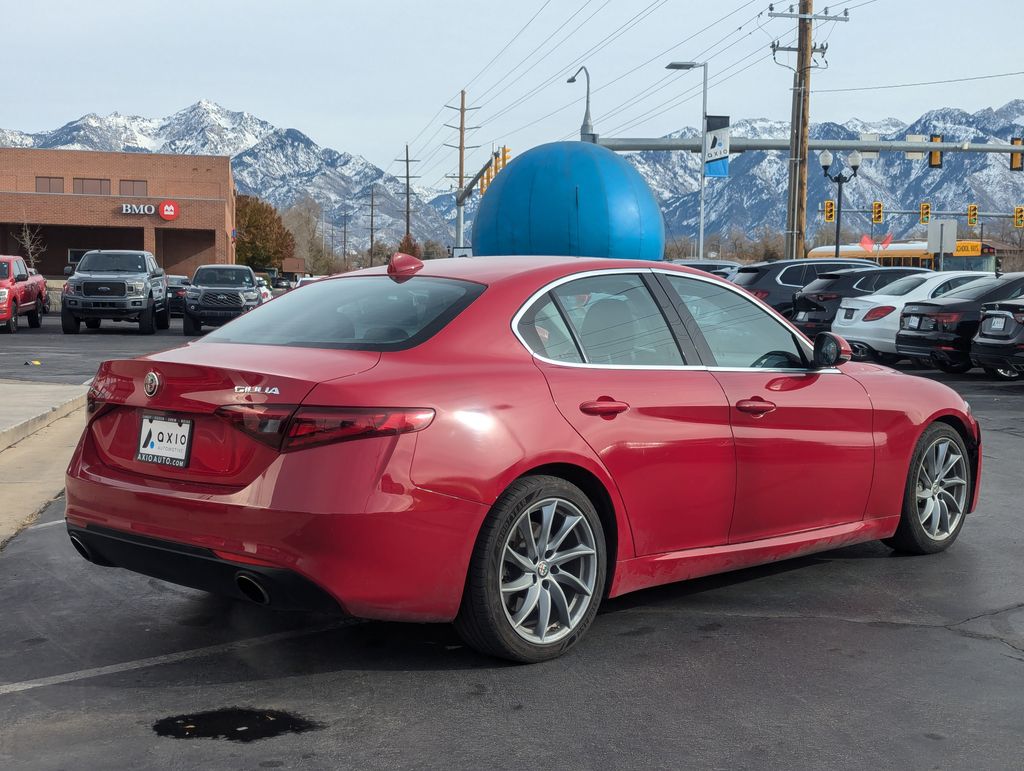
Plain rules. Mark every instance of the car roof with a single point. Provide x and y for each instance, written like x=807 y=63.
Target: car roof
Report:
x=810 y=261
x=118 y=251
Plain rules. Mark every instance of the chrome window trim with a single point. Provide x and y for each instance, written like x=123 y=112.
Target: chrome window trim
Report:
x=809 y=349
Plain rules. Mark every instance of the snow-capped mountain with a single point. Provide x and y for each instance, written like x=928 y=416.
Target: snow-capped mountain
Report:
x=754 y=195
x=283 y=165
x=278 y=165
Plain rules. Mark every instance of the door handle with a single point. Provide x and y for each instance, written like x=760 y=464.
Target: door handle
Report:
x=755 y=407
x=606 y=408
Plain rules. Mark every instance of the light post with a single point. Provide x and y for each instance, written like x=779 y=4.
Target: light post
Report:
x=853 y=161
x=703 y=142
x=587 y=129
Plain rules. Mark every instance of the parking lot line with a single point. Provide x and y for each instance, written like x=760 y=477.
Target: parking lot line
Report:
x=47 y=524
x=170 y=658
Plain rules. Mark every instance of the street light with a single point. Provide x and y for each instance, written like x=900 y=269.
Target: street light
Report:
x=587 y=129
x=853 y=161
x=703 y=141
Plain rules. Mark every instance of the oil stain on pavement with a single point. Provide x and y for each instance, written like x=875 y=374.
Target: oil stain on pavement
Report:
x=234 y=724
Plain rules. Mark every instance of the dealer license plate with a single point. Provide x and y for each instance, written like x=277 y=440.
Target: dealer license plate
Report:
x=913 y=322
x=998 y=324
x=847 y=313
x=801 y=316
x=164 y=441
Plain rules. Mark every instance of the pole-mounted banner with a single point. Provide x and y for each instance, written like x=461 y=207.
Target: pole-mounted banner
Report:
x=716 y=146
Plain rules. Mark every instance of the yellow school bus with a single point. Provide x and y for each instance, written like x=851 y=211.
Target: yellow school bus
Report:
x=970 y=254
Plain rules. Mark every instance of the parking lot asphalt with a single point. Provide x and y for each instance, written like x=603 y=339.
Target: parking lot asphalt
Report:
x=848 y=659
x=73 y=358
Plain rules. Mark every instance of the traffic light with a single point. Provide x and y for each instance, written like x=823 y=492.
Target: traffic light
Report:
x=1017 y=159
x=485 y=180
x=830 y=210
x=1018 y=216
x=972 y=214
x=876 y=213
x=935 y=156
x=926 y=213
x=506 y=154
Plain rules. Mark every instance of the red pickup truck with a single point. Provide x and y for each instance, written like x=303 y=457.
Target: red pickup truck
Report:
x=22 y=293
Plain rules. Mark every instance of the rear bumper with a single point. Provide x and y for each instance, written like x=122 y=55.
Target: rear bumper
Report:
x=998 y=356
x=200 y=568
x=354 y=526
x=948 y=348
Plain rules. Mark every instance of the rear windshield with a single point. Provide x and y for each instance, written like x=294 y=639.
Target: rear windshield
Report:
x=101 y=262
x=746 y=276
x=825 y=281
x=360 y=313
x=176 y=280
x=903 y=286
x=223 y=277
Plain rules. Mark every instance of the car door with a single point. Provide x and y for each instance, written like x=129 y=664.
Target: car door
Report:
x=804 y=444
x=626 y=378
x=22 y=289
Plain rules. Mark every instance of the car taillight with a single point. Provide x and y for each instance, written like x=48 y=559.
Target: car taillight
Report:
x=947 y=320
x=286 y=427
x=320 y=425
x=179 y=293
x=760 y=294
x=824 y=297
x=263 y=422
x=879 y=312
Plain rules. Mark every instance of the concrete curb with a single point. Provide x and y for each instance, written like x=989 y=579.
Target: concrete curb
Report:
x=14 y=434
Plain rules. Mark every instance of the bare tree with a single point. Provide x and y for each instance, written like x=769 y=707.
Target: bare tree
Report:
x=30 y=238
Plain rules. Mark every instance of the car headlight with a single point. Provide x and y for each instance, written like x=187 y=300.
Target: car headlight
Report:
x=192 y=294
x=3 y=296
x=70 y=288
x=254 y=295
x=135 y=288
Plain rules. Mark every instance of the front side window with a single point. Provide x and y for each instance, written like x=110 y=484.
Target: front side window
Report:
x=618 y=322
x=738 y=331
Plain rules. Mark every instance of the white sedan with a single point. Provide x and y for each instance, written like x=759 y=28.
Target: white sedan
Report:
x=870 y=323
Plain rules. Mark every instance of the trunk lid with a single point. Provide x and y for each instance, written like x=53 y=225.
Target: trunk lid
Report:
x=192 y=382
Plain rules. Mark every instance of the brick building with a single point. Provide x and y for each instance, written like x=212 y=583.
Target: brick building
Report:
x=179 y=207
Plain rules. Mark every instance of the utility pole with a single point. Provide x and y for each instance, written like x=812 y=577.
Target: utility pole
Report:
x=408 y=192
x=460 y=223
x=800 y=118
x=372 y=206
x=344 y=239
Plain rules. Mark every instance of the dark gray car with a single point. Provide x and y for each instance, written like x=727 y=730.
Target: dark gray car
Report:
x=118 y=285
x=776 y=282
x=218 y=294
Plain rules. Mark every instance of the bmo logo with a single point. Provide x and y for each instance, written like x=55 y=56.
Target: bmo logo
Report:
x=168 y=210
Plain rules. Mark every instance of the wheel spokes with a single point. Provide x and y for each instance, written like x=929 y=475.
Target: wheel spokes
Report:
x=572 y=582
x=517 y=559
x=525 y=581
x=566 y=556
x=529 y=603
x=547 y=515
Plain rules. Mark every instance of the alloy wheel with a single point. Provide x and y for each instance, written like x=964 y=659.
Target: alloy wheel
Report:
x=549 y=571
x=941 y=489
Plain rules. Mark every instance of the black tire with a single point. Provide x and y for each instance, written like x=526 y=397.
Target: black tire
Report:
x=189 y=326
x=483 y=621
x=1006 y=373
x=950 y=368
x=163 y=318
x=11 y=325
x=911 y=536
x=146 y=321
x=34 y=316
x=93 y=323
x=68 y=323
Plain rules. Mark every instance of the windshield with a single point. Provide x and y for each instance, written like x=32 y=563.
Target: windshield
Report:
x=108 y=262
x=5 y=270
x=223 y=277
x=903 y=286
x=746 y=276
x=363 y=313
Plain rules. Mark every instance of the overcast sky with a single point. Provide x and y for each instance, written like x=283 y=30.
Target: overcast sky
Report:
x=366 y=77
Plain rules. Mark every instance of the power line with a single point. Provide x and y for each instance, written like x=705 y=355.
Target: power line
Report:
x=921 y=83
x=505 y=47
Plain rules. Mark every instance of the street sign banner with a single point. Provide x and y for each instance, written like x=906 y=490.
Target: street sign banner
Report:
x=716 y=146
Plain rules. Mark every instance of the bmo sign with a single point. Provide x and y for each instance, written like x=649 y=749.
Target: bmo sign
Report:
x=168 y=210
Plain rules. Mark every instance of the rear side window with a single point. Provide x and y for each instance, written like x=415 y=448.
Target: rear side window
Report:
x=794 y=275
x=361 y=313
x=545 y=332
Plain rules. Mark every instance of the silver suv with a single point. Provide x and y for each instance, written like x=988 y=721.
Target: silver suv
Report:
x=119 y=285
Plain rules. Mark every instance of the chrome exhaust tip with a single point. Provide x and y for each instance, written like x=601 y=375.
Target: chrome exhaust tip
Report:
x=252 y=589
x=81 y=548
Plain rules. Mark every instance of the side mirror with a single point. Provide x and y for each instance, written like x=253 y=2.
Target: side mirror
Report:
x=830 y=350
x=20 y=278
x=186 y=282
x=69 y=270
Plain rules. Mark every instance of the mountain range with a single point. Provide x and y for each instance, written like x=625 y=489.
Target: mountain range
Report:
x=281 y=165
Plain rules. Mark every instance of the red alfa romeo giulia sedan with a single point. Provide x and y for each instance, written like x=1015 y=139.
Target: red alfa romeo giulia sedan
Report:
x=504 y=442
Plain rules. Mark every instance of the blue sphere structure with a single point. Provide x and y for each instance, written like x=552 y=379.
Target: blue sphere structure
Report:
x=574 y=199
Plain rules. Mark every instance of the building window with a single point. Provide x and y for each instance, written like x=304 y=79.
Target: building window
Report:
x=49 y=184
x=92 y=186
x=138 y=187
